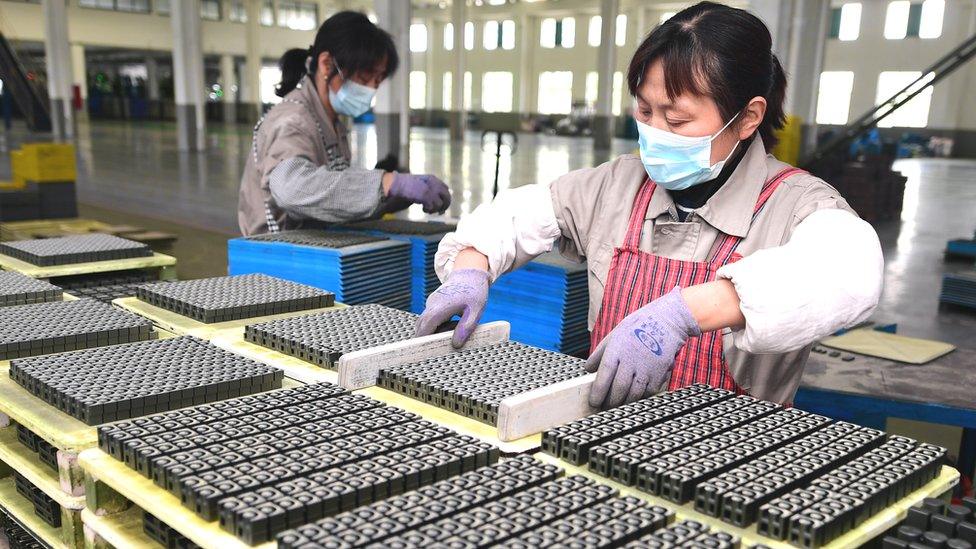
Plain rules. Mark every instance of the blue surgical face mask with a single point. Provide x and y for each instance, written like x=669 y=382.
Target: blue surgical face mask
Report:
x=677 y=162
x=353 y=99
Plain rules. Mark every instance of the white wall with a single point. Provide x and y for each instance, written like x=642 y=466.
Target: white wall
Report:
x=953 y=100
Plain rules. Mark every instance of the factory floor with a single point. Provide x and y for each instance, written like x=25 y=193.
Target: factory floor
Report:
x=132 y=173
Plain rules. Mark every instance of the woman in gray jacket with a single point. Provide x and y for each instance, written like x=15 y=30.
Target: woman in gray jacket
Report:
x=298 y=174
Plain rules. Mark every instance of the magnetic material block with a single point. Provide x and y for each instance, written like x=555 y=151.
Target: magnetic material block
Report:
x=122 y=381
x=225 y=298
x=67 y=250
x=18 y=289
x=58 y=326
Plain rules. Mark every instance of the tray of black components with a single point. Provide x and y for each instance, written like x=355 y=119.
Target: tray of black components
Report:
x=166 y=535
x=268 y=462
x=124 y=381
x=474 y=382
x=19 y=289
x=226 y=298
x=109 y=292
x=67 y=250
x=59 y=326
x=44 y=507
x=320 y=239
x=322 y=338
x=935 y=524
x=17 y=536
x=518 y=503
x=799 y=477
x=403 y=227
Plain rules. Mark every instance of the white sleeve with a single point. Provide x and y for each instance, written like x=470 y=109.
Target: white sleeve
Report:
x=828 y=276
x=517 y=226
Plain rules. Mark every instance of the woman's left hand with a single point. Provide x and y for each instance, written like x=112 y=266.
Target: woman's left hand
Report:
x=638 y=355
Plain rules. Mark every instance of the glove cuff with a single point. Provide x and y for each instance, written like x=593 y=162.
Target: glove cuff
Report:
x=681 y=314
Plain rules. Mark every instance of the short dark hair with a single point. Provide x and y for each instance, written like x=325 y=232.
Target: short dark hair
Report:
x=355 y=43
x=717 y=51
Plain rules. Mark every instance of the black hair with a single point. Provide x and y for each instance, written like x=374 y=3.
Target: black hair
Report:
x=720 y=52
x=355 y=43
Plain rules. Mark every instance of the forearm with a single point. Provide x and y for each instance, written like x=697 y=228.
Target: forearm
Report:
x=714 y=305
x=306 y=190
x=470 y=258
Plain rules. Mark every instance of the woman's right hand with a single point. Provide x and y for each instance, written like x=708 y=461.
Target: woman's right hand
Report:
x=427 y=190
x=464 y=293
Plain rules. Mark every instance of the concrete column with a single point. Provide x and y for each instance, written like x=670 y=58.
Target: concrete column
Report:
x=228 y=82
x=392 y=108
x=607 y=62
x=804 y=64
x=777 y=14
x=458 y=114
x=526 y=75
x=191 y=122
x=152 y=79
x=79 y=70
x=57 y=51
x=250 y=81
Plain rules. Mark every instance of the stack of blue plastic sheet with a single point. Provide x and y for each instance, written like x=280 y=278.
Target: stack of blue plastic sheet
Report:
x=358 y=268
x=423 y=237
x=546 y=301
x=959 y=289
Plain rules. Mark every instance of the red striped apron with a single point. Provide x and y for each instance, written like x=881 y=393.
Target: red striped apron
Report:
x=636 y=278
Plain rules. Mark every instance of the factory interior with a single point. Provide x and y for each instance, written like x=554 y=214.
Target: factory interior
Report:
x=487 y=273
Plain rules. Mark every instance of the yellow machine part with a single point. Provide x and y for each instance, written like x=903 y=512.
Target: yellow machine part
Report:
x=44 y=162
x=788 y=148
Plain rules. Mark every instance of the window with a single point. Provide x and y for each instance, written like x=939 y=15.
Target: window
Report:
x=592 y=89
x=298 y=15
x=469 y=36
x=566 y=33
x=267 y=14
x=137 y=6
x=621 y=29
x=496 y=92
x=896 y=20
x=558 y=33
x=418 y=89
x=618 y=92
x=915 y=113
x=492 y=36
x=449 y=36
x=930 y=24
x=418 y=37
x=547 y=33
x=845 y=22
x=595 y=31
x=467 y=91
x=834 y=97
x=210 y=10
x=162 y=6
x=667 y=15
x=447 y=82
x=238 y=12
x=508 y=35
x=269 y=77
x=555 y=92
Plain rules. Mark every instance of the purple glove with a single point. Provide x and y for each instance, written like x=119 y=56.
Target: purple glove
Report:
x=637 y=357
x=464 y=293
x=422 y=189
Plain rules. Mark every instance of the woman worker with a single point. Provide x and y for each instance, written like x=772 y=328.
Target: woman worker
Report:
x=709 y=260
x=297 y=174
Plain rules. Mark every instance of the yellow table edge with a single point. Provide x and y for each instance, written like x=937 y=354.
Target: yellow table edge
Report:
x=183 y=325
x=866 y=531
x=165 y=506
x=22 y=510
x=26 y=463
x=8 y=263
x=122 y=530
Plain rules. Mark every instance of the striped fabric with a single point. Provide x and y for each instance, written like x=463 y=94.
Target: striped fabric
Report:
x=636 y=278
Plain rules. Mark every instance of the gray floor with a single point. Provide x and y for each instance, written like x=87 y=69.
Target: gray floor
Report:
x=135 y=169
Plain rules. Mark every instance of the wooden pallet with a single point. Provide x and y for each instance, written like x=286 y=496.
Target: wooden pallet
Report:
x=46 y=228
x=164 y=264
x=183 y=325
x=116 y=531
x=940 y=487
